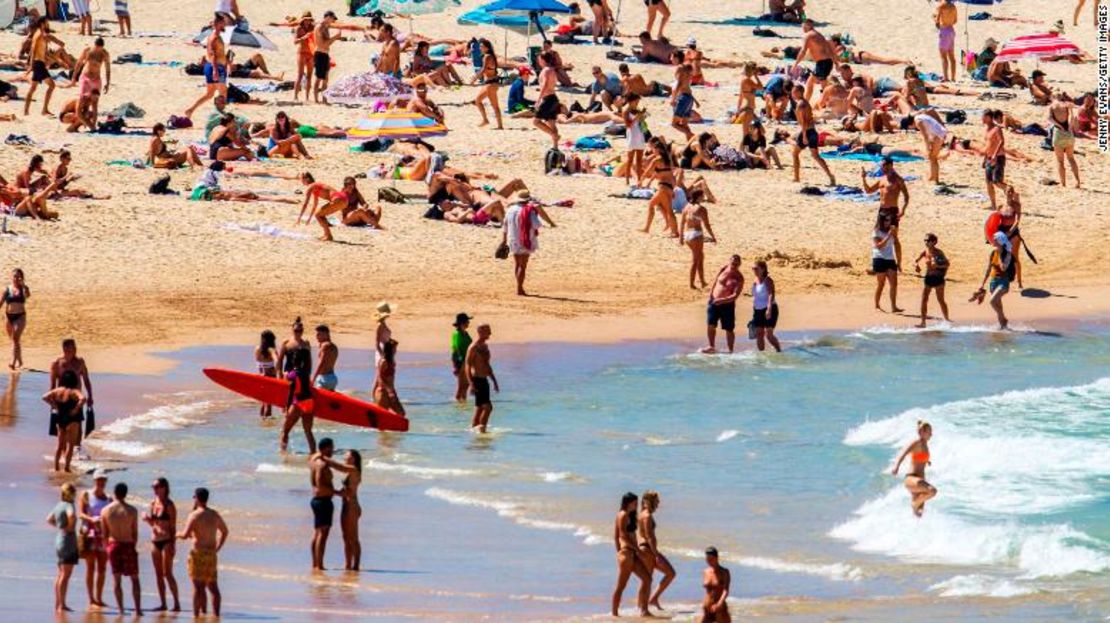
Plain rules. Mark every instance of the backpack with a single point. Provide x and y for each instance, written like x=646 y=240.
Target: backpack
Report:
x=390 y=194
x=194 y=69
x=114 y=125
x=178 y=123
x=434 y=213
x=161 y=186
x=955 y=117
x=554 y=160
x=235 y=95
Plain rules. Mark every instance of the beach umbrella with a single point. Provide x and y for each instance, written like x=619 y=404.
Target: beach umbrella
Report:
x=233 y=35
x=1038 y=46
x=532 y=8
x=368 y=88
x=407 y=8
x=396 y=125
x=967 y=14
x=509 y=21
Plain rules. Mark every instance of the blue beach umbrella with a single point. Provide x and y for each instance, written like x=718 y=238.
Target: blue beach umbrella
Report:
x=406 y=8
x=532 y=8
x=516 y=22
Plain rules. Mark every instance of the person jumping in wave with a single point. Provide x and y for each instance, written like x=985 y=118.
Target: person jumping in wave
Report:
x=918 y=451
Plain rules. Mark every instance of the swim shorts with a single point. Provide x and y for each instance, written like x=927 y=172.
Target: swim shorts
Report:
x=548 y=109
x=202 y=565
x=481 y=391
x=123 y=558
x=321 y=62
x=823 y=69
x=881 y=265
x=65 y=546
x=327 y=381
x=323 y=511
x=890 y=214
x=934 y=280
x=809 y=139
x=89 y=84
x=683 y=106
x=1062 y=139
x=39 y=72
x=723 y=314
x=996 y=171
x=947 y=39
x=999 y=283
x=215 y=74
x=759 y=317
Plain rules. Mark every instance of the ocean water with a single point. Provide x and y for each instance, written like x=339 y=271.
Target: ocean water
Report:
x=780 y=461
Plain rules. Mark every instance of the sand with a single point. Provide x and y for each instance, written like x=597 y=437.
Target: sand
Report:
x=139 y=270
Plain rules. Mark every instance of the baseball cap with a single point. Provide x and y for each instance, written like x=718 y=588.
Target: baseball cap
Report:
x=691 y=42
x=461 y=317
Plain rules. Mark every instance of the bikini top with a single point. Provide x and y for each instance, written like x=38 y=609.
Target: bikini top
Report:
x=921 y=457
x=164 y=515
x=15 y=297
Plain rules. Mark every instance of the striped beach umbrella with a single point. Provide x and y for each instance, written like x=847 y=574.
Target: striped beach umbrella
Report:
x=1044 y=45
x=396 y=125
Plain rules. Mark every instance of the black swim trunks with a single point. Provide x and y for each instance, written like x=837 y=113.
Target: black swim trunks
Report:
x=321 y=63
x=891 y=214
x=723 y=314
x=996 y=171
x=759 y=317
x=481 y=391
x=652 y=2
x=39 y=72
x=549 y=108
x=808 y=139
x=934 y=280
x=823 y=69
x=323 y=511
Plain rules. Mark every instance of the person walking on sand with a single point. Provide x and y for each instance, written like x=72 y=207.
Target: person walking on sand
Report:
x=64 y=518
x=883 y=263
x=520 y=233
x=460 y=344
x=945 y=19
x=717 y=580
x=209 y=533
x=67 y=404
x=385 y=392
x=891 y=186
x=323 y=507
x=327 y=353
x=936 y=270
x=633 y=118
x=123 y=17
x=40 y=73
x=1000 y=270
x=817 y=47
x=918 y=451
x=696 y=230
x=321 y=58
x=93 y=544
x=547 y=104
x=807 y=138
x=629 y=562
x=765 y=307
x=479 y=373
x=994 y=154
x=14 y=302
x=491 y=82
x=162 y=519
x=721 y=308
x=1063 y=136
x=121 y=529
x=84 y=17
x=1079 y=8
x=655 y=7
x=215 y=66
x=654 y=560
x=682 y=97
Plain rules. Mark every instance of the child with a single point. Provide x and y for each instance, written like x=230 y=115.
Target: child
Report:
x=633 y=118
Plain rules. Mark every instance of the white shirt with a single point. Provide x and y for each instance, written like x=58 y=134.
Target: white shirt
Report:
x=932 y=128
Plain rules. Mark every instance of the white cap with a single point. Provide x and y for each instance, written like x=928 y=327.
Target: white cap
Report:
x=691 y=42
x=100 y=474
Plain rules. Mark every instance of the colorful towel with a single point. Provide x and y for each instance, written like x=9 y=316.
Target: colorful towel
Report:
x=859 y=157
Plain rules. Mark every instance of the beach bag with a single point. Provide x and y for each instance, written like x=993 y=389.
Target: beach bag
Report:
x=615 y=55
x=616 y=129
x=591 y=143
x=955 y=117
x=235 y=95
x=161 y=186
x=53 y=429
x=502 y=252
x=390 y=194
x=90 y=418
x=114 y=125
x=131 y=57
x=434 y=213
x=554 y=160
x=194 y=69
x=179 y=123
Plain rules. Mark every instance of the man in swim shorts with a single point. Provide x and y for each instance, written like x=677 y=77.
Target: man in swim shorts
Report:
x=39 y=72
x=547 y=107
x=817 y=47
x=323 y=508
x=321 y=59
x=682 y=98
x=891 y=187
x=328 y=352
x=807 y=138
x=215 y=66
x=209 y=533
x=479 y=373
x=121 y=528
x=945 y=19
x=721 y=308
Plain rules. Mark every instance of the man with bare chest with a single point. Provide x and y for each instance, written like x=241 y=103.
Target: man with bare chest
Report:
x=721 y=309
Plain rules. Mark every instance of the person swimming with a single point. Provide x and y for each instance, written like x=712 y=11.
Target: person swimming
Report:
x=918 y=451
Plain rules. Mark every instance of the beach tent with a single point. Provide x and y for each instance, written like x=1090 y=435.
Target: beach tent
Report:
x=1045 y=45
x=240 y=37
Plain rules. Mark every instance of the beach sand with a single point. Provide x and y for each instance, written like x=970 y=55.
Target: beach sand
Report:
x=141 y=270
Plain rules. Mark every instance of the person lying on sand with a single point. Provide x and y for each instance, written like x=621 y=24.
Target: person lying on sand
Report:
x=976 y=148
x=409 y=40
x=447 y=185
x=635 y=83
x=876 y=122
x=845 y=54
x=208 y=188
x=253 y=68
x=655 y=50
x=465 y=215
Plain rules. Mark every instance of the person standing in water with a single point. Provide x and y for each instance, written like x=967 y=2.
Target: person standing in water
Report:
x=721 y=309
x=327 y=353
x=945 y=19
x=14 y=302
x=385 y=393
x=460 y=344
x=92 y=542
x=918 y=451
x=70 y=362
x=654 y=560
x=1000 y=270
x=479 y=373
x=266 y=357
x=121 y=529
x=765 y=307
x=323 y=507
x=162 y=518
x=717 y=581
x=209 y=533
x=295 y=361
x=936 y=270
x=629 y=562
x=382 y=333
x=64 y=518
x=67 y=403
x=351 y=511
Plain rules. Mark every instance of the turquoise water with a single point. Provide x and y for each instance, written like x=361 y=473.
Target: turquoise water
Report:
x=782 y=462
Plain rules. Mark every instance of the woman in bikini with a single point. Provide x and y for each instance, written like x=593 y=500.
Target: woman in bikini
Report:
x=629 y=561
x=162 y=518
x=696 y=230
x=661 y=166
x=745 y=105
x=160 y=156
x=351 y=511
x=335 y=201
x=490 y=84
x=717 y=580
x=284 y=141
x=68 y=404
x=1063 y=137
x=845 y=54
x=265 y=357
x=14 y=302
x=305 y=39
x=918 y=451
x=385 y=394
x=224 y=143
x=424 y=70
x=358 y=212
x=654 y=560
x=1011 y=224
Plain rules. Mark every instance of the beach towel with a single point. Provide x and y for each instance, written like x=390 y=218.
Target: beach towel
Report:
x=843 y=193
x=833 y=155
x=264 y=229
x=591 y=143
x=978 y=17
x=171 y=64
x=763 y=20
x=527 y=216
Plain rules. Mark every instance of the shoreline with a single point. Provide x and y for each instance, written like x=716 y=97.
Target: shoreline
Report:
x=426 y=331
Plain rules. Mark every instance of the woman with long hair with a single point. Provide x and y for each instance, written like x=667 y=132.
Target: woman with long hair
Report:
x=160 y=156
x=14 y=302
x=918 y=451
x=628 y=556
x=162 y=518
x=284 y=140
x=265 y=357
x=490 y=83
x=64 y=518
x=351 y=511
x=67 y=403
x=661 y=166
x=385 y=394
x=696 y=230
x=654 y=560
